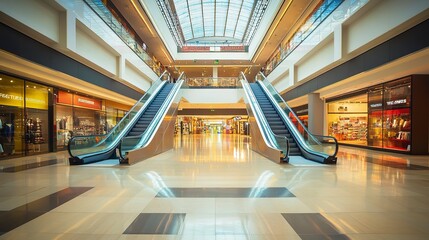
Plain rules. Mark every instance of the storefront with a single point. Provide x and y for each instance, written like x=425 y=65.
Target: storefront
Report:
x=201 y=125
x=77 y=115
x=348 y=118
x=391 y=116
x=36 y=118
x=25 y=112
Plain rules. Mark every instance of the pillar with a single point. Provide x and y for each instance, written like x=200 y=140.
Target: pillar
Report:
x=215 y=72
x=68 y=30
x=315 y=114
x=338 y=42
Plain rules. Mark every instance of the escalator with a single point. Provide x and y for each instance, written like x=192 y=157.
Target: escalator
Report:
x=150 y=112
x=94 y=148
x=280 y=119
x=273 y=118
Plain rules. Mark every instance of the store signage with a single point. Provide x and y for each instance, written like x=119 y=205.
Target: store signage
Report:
x=36 y=98
x=78 y=101
x=37 y=102
x=86 y=102
x=10 y=97
x=397 y=102
x=65 y=97
x=376 y=105
x=302 y=111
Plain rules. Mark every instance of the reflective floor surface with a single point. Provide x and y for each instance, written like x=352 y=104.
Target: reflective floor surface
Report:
x=215 y=187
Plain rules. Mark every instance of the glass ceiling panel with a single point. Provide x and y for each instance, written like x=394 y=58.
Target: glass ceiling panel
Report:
x=233 y=12
x=183 y=15
x=208 y=13
x=215 y=21
x=243 y=19
x=196 y=13
x=221 y=8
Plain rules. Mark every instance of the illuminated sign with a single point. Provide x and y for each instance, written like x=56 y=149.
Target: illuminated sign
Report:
x=78 y=101
x=86 y=102
x=374 y=105
x=396 y=102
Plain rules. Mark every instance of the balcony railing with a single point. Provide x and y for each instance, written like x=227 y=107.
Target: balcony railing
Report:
x=331 y=13
x=123 y=33
x=210 y=82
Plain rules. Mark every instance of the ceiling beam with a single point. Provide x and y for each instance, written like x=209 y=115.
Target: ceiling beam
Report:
x=238 y=17
x=190 y=19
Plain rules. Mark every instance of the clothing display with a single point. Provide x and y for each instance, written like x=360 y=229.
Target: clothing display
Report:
x=34 y=131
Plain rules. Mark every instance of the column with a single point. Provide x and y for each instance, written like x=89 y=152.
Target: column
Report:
x=215 y=81
x=68 y=30
x=338 y=42
x=315 y=113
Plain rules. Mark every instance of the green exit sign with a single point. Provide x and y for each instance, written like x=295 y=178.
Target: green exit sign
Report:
x=216 y=62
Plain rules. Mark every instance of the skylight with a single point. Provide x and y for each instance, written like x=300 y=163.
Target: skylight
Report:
x=213 y=22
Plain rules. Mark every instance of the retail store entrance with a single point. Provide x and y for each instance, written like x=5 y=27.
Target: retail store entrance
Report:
x=212 y=125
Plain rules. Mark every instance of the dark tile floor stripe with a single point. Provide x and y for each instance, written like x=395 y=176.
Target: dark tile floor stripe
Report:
x=28 y=166
x=393 y=164
x=271 y=192
x=16 y=217
x=156 y=223
x=312 y=226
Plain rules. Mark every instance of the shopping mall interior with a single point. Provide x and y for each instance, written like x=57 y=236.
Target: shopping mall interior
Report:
x=214 y=119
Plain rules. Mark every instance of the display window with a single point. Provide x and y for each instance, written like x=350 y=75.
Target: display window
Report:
x=11 y=117
x=383 y=121
x=64 y=125
x=397 y=115
x=37 y=118
x=348 y=120
x=375 y=116
x=78 y=115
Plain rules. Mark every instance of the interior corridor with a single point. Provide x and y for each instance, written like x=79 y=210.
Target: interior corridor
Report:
x=213 y=186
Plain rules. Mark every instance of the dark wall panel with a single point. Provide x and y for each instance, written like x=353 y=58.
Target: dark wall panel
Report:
x=410 y=41
x=23 y=46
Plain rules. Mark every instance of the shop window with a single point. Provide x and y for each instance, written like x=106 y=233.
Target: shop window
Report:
x=36 y=122
x=397 y=115
x=11 y=117
x=375 y=116
x=348 y=120
x=64 y=126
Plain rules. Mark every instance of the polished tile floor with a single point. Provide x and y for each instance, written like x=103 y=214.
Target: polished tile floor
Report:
x=215 y=187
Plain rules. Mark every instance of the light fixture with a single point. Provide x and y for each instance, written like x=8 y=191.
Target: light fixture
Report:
x=143 y=19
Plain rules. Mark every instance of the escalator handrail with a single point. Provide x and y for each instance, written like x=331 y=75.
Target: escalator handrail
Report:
x=268 y=135
x=133 y=120
x=294 y=130
x=153 y=126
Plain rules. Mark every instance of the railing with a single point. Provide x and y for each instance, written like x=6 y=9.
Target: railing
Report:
x=133 y=142
x=82 y=146
x=315 y=143
x=209 y=82
x=274 y=141
x=103 y=12
x=330 y=13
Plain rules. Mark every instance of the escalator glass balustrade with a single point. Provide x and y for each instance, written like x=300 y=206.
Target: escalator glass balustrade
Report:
x=92 y=148
x=281 y=117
